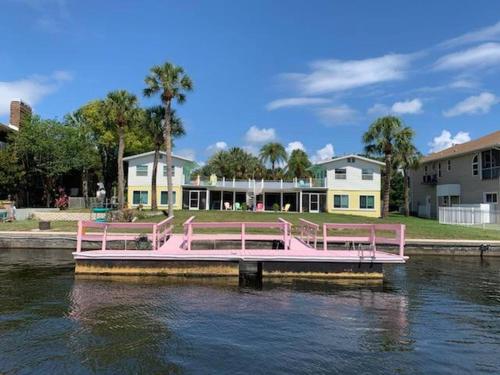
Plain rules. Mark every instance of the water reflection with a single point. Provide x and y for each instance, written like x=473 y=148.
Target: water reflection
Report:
x=434 y=315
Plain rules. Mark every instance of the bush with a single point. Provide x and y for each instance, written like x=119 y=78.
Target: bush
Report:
x=276 y=207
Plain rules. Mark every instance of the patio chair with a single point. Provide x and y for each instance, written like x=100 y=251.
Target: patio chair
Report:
x=227 y=206
x=260 y=206
x=237 y=206
x=286 y=208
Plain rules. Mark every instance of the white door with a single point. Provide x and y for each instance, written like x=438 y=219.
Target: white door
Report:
x=194 y=200
x=314 y=202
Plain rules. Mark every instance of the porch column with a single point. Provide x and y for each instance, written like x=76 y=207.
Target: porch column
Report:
x=221 y=199
x=281 y=199
x=264 y=201
x=234 y=198
x=207 y=203
x=300 y=201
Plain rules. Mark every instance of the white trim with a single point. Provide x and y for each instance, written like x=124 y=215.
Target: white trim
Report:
x=152 y=153
x=351 y=156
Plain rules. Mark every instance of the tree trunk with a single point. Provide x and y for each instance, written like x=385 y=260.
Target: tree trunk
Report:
x=387 y=184
x=85 y=186
x=167 y=135
x=154 y=203
x=406 y=192
x=121 y=177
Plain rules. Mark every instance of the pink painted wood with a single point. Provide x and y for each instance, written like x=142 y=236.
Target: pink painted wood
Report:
x=308 y=230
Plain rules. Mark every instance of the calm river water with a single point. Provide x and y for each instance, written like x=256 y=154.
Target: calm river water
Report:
x=435 y=315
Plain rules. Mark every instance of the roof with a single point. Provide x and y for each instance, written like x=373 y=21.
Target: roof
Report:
x=489 y=140
x=351 y=156
x=152 y=152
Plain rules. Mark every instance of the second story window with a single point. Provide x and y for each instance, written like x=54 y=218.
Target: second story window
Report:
x=490 y=164
x=141 y=170
x=439 y=169
x=165 y=171
x=449 y=165
x=340 y=173
x=351 y=160
x=367 y=174
x=475 y=166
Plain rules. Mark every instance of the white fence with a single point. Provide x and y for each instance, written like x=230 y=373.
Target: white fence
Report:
x=469 y=215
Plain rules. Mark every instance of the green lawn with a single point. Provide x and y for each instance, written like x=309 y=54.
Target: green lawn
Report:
x=415 y=227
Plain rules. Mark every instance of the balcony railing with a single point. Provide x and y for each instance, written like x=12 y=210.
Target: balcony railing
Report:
x=250 y=184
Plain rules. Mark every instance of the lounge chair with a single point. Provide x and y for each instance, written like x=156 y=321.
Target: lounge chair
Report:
x=260 y=207
x=286 y=208
x=237 y=206
x=227 y=206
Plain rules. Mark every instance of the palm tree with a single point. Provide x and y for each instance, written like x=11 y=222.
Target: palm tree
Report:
x=171 y=83
x=154 y=127
x=298 y=164
x=379 y=139
x=121 y=107
x=273 y=152
x=407 y=157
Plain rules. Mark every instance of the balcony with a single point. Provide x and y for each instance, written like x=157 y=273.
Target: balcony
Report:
x=251 y=184
x=430 y=180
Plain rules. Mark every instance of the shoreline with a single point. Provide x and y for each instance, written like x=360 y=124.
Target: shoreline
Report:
x=415 y=246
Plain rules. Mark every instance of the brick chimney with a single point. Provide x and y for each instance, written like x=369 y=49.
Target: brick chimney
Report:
x=19 y=111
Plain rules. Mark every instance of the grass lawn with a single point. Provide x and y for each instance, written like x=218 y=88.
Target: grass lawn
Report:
x=415 y=227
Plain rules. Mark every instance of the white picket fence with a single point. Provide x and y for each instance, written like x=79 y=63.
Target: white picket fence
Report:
x=469 y=215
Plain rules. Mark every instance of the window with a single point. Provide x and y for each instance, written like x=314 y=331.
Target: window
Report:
x=475 y=166
x=367 y=202
x=490 y=164
x=351 y=160
x=165 y=171
x=164 y=198
x=141 y=170
x=367 y=174
x=340 y=173
x=449 y=165
x=439 y=169
x=490 y=198
x=140 y=197
x=340 y=201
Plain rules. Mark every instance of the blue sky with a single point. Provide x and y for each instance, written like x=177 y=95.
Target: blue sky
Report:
x=311 y=74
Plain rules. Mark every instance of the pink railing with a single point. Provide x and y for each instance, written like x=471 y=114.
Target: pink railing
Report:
x=309 y=233
x=371 y=239
x=190 y=225
x=157 y=233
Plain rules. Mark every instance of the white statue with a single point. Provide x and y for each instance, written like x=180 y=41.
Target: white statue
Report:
x=101 y=192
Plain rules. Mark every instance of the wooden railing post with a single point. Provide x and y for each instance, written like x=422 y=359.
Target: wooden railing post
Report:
x=155 y=237
x=79 y=237
x=242 y=236
x=189 y=233
x=325 y=235
x=373 y=240
x=402 y=231
x=104 y=237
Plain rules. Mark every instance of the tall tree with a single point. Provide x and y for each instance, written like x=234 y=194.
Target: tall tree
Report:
x=379 y=139
x=298 y=164
x=154 y=122
x=171 y=83
x=121 y=107
x=273 y=153
x=407 y=157
x=233 y=163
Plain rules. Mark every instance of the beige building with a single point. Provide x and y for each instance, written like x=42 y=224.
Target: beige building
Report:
x=467 y=173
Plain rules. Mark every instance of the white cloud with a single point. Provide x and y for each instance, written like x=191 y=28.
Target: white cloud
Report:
x=187 y=153
x=256 y=135
x=340 y=115
x=407 y=107
x=295 y=102
x=379 y=109
x=324 y=153
x=445 y=140
x=479 y=104
x=485 y=55
x=486 y=34
x=295 y=145
x=217 y=146
x=31 y=89
x=339 y=75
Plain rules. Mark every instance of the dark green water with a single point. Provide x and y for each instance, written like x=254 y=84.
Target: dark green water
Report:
x=435 y=315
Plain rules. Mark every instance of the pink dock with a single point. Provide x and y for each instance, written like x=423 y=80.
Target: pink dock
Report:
x=236 y=248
